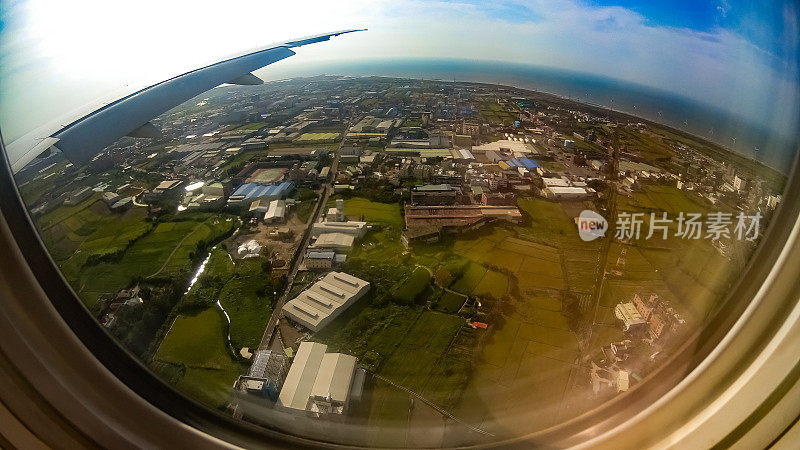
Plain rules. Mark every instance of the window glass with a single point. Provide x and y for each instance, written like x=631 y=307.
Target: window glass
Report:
x=466 y=224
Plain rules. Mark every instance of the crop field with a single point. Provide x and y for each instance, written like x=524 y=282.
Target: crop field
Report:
x=255 y=126
x=528 y=345
x=496 y=114
x=692 y=270
x=165 y=251
x=368 y=332
x=388 y=213
x=450 y=302
x=248 y=299
x=407 y=290
x=197 y=343
x=90 y=229
x=536 y=266
x=523 y=368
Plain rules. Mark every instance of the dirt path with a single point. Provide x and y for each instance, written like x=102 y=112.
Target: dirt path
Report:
x=175 y=250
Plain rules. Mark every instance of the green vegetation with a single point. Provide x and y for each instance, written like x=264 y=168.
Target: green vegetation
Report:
x=304 y=210
x=450 y=302
x=409 y=289
x=387 y=213
x=196 y=344
x=167 y=251
x=248 y=298
x=243 y=290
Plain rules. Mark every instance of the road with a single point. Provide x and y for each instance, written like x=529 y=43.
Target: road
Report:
x=602 y=260
x=266 y=340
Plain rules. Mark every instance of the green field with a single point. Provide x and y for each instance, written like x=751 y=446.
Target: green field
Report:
x=248 y=298
x=77 y=235
x=197 y=343
x=522 y=372
x=242 y=288
x=691 y=274
x=387 y=213
x=255 y=126
x=406 y=291
x=304 y=209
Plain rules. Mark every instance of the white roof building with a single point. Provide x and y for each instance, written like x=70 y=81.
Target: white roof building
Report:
x=555 y=182
x=333 y=241
x=568 y=192
x=628 y=314
x=318 y=383
x=356 y=229
x=276 y=211
x=324 y=300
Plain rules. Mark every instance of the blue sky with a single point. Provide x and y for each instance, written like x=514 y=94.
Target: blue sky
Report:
x=736 y=55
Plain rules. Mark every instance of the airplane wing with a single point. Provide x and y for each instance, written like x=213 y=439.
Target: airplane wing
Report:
x=82 y=134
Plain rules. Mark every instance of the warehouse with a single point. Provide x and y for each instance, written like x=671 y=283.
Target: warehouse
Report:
x=324 y=300
x=318 y=383
x=250 y=192
x=338 y=242
x=355 y=229
x=276 y=211
x=568 y=192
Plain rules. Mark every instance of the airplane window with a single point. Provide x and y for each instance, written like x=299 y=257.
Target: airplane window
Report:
x=464 y=225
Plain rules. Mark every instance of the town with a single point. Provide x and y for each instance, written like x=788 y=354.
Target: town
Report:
x=398 y=252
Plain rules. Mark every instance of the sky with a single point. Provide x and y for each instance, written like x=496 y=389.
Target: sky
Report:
x=739 y=56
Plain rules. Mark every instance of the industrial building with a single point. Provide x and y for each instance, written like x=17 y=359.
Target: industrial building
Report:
x=337 y=242
x=434 y=194
x=324 y=300
x=320 y=384
x=319 y=260
x=276 y=212
x=250 y=192
x=355 y=229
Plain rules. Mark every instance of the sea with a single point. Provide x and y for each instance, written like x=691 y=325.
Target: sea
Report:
x=755 y=141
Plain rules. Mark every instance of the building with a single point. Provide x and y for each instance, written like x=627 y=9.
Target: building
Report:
x=336 y=214
x=349 y=155
x=166 y=186
x=434 y=194
x=250 y=192
x=214 y=189
x=319 y=260
x=324 y=300
x=110 y=198
x=355 y=229
x=568 y=192
x=276 y=212
x=629 y=315
x=337 y=242
x=319 y=384
x=78 y=196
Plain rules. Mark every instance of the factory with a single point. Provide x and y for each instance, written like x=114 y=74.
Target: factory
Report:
x=324 y=300
x=250 y=192
x=333 y=238
x=321 y=384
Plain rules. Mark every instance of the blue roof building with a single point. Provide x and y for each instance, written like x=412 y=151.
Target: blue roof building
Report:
x=250 y=192
x=529 y=163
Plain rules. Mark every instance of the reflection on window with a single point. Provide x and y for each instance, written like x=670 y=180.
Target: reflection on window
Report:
x=406 y=261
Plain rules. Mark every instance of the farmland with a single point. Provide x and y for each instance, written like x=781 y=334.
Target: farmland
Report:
x=100 y=252
x=520 y=272
x=196 y=345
